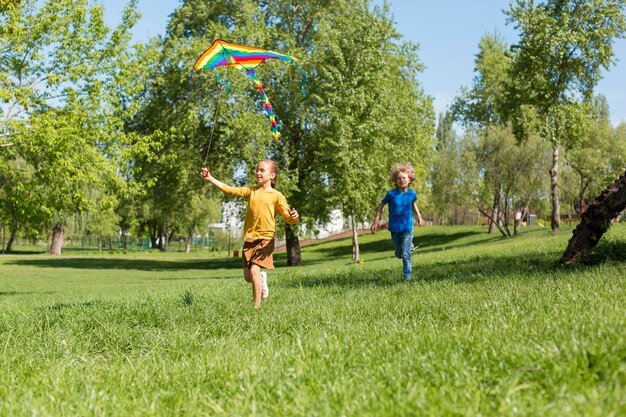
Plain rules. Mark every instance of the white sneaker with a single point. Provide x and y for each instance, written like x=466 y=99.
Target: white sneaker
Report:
x=265 y=290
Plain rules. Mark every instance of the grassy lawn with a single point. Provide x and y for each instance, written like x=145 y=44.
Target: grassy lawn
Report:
x=489 y=326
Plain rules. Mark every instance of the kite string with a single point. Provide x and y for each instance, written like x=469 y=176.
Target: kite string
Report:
x=217 y=109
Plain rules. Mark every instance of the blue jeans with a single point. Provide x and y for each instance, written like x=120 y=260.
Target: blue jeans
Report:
x=403 y=244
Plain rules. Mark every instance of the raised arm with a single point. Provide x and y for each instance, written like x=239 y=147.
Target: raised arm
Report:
x=205 y=174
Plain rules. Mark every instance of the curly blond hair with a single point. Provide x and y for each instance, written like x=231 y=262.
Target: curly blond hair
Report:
x=406 y=168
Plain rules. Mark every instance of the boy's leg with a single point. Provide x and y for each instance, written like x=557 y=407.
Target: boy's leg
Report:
x=396 y=238
x=407 y=262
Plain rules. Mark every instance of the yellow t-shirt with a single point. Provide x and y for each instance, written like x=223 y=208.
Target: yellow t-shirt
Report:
x=263 y=205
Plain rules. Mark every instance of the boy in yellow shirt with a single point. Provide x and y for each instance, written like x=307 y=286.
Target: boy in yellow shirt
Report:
x=260 y=224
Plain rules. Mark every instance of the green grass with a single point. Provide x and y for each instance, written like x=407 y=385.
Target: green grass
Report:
x=490 y=326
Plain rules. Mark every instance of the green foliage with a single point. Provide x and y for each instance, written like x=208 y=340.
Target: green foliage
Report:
x=484 y=103
x=563 y=48
x=493 y=171
x=494 y=164
x=374 y=113
x=597 y=160
x=57 y=130
x=359 y=75
x=445 y=175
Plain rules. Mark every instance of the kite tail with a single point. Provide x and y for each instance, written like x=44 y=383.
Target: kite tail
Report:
x=221 y=81
x=304 y=78
x=268 y=107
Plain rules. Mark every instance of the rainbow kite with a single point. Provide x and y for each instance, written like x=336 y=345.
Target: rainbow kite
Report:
x=246 y=58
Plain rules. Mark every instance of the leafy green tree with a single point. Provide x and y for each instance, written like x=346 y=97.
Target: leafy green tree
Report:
x=445 y=172
x=373 y=114
x=308 y=151
x=493 y=164
x=483 y=104
x=482 y=107
x=8 y=4
x=189 y=119
x=563 y=47
x=598 y=158
x=57 y=118
x=20 y=199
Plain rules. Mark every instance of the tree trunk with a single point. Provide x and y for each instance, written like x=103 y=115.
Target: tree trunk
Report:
x=170 y=235
x=13 y=227
x=12 y=236
x=596 y=220
x=494 y=211
x=355 y=241
x=190 y=234
x=506 y=214
x=164 y=238
x=294 y=257
x=188 y=243
x=554 y=190
x=57 y=240
x=153 y=231
x=492 y=219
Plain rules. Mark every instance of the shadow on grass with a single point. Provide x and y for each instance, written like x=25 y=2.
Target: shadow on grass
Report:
x=436 y=242
x=429 y=242
x=606 y=251
x=7 y=293
x=466 y=271
x=59 y=306
x=129 y=264
x=25 y=252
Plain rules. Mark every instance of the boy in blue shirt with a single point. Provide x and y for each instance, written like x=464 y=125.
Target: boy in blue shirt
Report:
x=402 y=203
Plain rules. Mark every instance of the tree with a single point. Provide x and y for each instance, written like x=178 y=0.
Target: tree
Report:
x=493 y=164
x=314 y=153
x=598 y=157
x=58 y=115
x=445 y=172
x=482 y=107
x=484 y=103
x=596 y=221
x=364 y=78
x=562 y=49
x=183 y=112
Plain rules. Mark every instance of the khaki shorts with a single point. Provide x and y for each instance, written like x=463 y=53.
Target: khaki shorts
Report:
x=259 y=252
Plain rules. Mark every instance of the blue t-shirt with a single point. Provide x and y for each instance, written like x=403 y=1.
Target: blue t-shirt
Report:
x=400 y=209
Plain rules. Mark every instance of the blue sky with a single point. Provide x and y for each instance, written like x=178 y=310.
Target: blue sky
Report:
x=448 y=32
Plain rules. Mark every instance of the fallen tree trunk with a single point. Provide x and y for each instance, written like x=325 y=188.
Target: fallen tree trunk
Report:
x=596 y=221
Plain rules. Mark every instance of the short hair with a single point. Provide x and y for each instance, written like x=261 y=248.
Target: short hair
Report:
x=273 y=168
x=406 y=168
